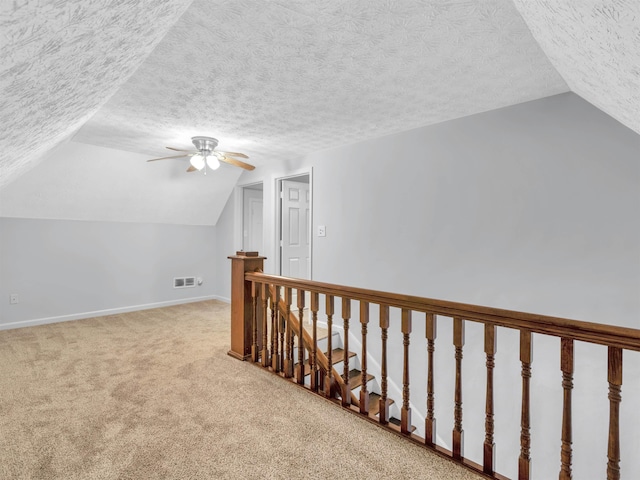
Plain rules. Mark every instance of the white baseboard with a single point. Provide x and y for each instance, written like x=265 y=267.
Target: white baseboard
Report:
x=111 y=311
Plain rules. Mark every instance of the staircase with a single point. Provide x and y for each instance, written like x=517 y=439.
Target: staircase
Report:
x=337 y=358
x=355 y=373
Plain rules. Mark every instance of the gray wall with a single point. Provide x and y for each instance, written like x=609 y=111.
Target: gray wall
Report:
x=65 y=269
x=534 y=207
x=225 y=247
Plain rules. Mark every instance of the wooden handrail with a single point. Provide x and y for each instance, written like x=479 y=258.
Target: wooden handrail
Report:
x=609 y=335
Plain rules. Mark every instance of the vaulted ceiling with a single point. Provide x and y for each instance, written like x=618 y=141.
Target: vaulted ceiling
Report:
x=276 y=80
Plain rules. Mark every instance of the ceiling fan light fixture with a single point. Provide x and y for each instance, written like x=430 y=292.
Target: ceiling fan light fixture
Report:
x=213 y=162
x=197 y=161
x=206 y=155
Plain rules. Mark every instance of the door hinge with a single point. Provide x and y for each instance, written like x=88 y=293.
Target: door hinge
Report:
x=281 y=194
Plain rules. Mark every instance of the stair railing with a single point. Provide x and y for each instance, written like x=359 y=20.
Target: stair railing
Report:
x=258 y=297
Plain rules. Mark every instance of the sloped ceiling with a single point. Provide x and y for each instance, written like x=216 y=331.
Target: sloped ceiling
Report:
x=276 y=80
x=61 y=60
x=595 y=45
x=103 y=184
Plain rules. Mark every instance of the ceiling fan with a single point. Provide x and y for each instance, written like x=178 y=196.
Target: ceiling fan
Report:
x=207 y=156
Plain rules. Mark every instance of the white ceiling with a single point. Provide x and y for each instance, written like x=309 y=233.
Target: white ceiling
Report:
x=595 y=45
x=103 y=184
x=60 y=61
x=281 y=79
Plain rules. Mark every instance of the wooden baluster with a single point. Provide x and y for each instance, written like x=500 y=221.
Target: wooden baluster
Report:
x=524 y=462
x=329 y=376
x=615 y=382
x=490 y=351
x=430 y=421
x=346 y=387
x=313 y=360
x=405 y=411
x=254 y=323
x=288 y=360
x=264 y=356
x=566 y=365
x=282 y=330
x=383 y=416
x=275 y=298
x=364 y=394
x=300 y=372
x=458 y=434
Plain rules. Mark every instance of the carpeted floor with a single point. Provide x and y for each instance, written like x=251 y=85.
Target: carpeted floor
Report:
x=153 y=394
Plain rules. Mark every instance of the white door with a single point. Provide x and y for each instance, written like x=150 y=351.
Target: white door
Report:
x=252 y=220
x=296 y=223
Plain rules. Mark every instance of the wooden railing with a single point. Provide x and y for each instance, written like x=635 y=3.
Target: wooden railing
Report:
x=265 y=328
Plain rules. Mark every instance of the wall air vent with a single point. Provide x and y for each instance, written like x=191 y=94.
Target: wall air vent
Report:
x=184 y=282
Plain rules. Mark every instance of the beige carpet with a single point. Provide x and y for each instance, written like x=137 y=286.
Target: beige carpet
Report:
x=153 y=394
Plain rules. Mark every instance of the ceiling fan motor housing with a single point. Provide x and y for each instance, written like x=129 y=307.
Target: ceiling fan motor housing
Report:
x=205 y=144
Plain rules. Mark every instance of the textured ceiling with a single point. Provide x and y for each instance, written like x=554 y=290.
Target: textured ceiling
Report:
x=280 y=79
x=595 y=45
x=61 y=60
x=276 y=80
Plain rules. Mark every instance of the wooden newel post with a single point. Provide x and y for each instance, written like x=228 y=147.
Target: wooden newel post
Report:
x=242 y=303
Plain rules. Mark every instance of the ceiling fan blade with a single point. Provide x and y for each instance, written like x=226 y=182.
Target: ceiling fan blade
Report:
x=181 y=150
x=233 y=154
x=237 y=163
x=191 y=169
x=165 y=158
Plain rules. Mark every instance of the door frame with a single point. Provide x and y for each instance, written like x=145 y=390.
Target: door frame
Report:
x=238 y=217
x=251 y=196
x=278 y=217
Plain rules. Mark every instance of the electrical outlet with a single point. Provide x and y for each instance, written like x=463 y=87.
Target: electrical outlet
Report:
x=322 y=231
x=13 y=298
